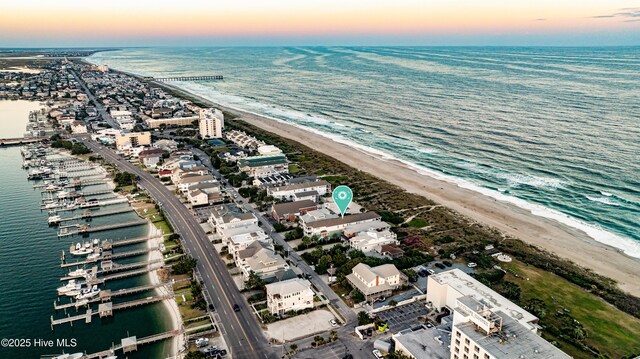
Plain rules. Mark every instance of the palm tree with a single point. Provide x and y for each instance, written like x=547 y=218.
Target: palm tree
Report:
x=293 y=347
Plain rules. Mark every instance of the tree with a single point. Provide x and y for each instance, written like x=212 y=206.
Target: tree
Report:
x=323 y=264
x=510 y=290
x=195 y=355
x=537 y=307
x=185 y=265
x=393 y=303
x=364 y=318
x=254 y=282
x=293 y=347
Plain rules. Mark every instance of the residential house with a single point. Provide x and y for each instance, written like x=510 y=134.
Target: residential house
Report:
x=260 y=259
x=78 y=127
x=151 y=158
x=289 y=295
x=239 y=238
x=166 y=145
x=289 y=211
x=329 y=226
x=375 y=282
x=288 y=192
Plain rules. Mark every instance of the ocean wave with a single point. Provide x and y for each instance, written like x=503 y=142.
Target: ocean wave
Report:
x=428 y=151
x=606 y=200
x=606 y=194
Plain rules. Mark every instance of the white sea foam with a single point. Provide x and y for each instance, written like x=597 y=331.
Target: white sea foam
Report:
x=605 y=200
x=606 y=194
x=428 y=151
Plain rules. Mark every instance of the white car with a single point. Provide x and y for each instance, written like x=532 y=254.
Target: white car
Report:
x=472 y=265
x=377 y=354
x=333 y=323
x=202 y=342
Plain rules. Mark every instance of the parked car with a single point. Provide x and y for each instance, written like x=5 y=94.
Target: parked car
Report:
x=202 y=342
x=377 y=354
x=333 y=323
x=440 y=265
x=472 y=265
x=431 y=271
x=211 y=307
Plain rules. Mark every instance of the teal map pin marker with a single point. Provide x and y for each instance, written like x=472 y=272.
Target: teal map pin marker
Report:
x=342 y=196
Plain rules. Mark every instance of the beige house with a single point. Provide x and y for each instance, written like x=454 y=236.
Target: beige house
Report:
x=293 y=294
x=259 y=258
x=375 y=282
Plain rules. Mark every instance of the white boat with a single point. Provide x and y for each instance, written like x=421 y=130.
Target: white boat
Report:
x=96 y=242
x=52 y=188
x=69 y=287
x=63 y=194
x=69 y=356
x=73 y=293
x=80 y=250
x=71 y=205
x=88 y=293
x=54 y=219
x=51 y=205
x=80 y=272
x=93 y=256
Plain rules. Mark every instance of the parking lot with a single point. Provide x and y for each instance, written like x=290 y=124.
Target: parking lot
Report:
x=403 y=317
x=335 y=350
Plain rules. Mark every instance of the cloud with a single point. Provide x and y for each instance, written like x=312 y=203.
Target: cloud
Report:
x=631 y=14
x=541 y=19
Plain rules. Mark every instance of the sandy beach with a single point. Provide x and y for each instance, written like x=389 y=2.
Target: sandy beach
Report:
x=548 y=234
x=170 y=304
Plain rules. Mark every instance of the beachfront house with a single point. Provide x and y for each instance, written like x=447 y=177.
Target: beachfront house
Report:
x=313 y=189
x=289 y=211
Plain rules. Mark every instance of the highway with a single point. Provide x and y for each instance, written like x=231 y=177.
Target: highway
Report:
x=241 y=330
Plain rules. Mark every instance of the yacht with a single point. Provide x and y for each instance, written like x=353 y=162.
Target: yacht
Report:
x=69 y=356
x=88 y=293
x=52 y=188
x=80 y=272
x=51 y=205
x=63 y=194
x=69 y=287
x=93 y=256
x=81 y=250
x=53 y=220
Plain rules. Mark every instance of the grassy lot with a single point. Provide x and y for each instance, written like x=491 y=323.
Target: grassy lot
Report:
x=609 y=330
x=293 y=168
x=418 y=223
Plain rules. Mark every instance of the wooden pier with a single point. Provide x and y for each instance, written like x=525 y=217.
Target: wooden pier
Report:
x=132 y=343
x=106 y=309
x=187 y=78
x=85 y=228
x=107 y=256
x=88 y=214
x=104 y=203
x=106 y=295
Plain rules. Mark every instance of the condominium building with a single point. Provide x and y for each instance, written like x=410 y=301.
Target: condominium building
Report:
x=174 y=121
x=329 y=226
x=264 y=165
x=211 y=123
x=134 y=139
x=293 y=294
x=315 y=188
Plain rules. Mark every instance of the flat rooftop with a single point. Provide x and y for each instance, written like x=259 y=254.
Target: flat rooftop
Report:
x=515 y=341
x=467 y=285
x=425 y=343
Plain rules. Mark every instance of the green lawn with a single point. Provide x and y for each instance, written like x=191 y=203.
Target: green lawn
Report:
x=293 y=169
x=418 y=223
x=610 y=330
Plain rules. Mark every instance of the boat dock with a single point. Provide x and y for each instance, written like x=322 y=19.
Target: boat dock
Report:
x=88 y=214
x=107 y=294
x=131 y=344
x=104 y=203
x=106 y=310
x=66 y=231
x=107 y=256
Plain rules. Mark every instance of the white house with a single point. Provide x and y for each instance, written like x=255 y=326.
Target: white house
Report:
x=223 y=218
x=375 y=282
x=288 y=192
x=260 y=259
x=269 y=150
x=240 y=238
x=372 y=240
x=123 y=118
x=329 y=226
x=293 y=294
x=187 y=182
x=78 y=127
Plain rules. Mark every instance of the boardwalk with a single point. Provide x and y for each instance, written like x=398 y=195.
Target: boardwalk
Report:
x=146 y=340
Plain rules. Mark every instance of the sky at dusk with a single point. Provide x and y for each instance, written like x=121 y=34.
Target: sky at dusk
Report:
x=63 y=23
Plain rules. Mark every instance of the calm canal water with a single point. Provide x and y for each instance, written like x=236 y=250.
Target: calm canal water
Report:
x=30 y=271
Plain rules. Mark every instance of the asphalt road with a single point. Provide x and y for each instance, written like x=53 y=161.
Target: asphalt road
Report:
x=241 y=330
x=101 y=110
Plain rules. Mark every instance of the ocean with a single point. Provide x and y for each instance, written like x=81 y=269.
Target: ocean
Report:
x=30 y=269
x=552 y=130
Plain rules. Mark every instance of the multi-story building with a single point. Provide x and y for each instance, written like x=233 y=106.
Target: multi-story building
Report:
x=315 y=188
x=264 y=165
x=329 y=226
x=211 y=123
x=173 y=121
x=260 y=259
x=289 y=295
x=375 y=282
x=134 y=139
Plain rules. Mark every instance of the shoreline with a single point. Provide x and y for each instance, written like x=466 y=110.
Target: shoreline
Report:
x=171 y=307
x=548 y=234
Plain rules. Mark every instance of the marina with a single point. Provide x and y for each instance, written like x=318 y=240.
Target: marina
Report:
x=62 y=185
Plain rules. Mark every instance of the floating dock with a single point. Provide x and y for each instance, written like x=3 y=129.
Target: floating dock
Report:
x=88 y=214
x=107 y=294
